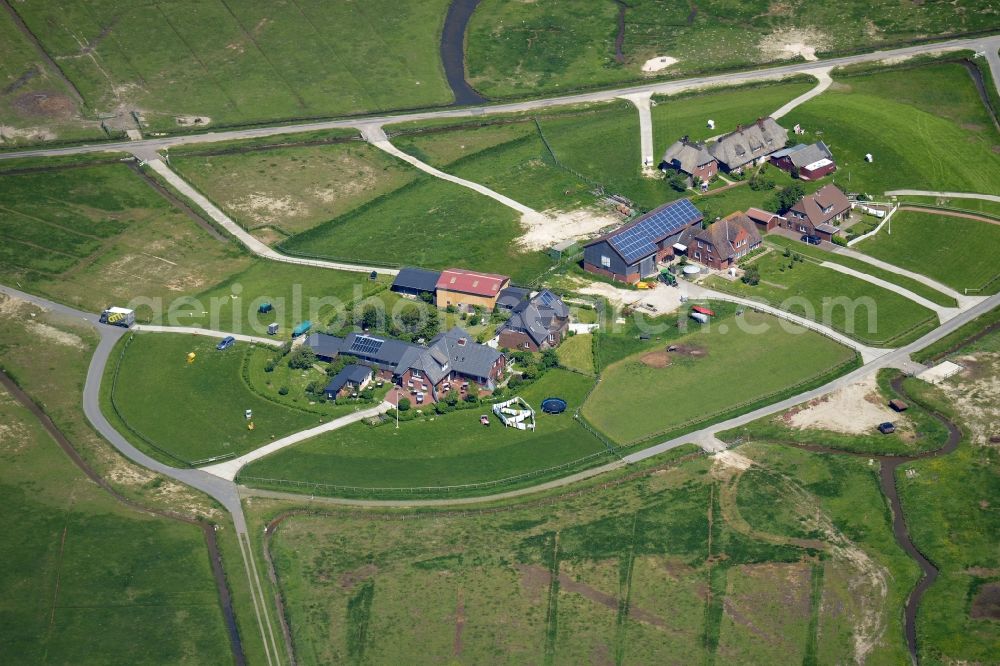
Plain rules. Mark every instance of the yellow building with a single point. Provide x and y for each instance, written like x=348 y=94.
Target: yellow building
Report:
x=468 y=289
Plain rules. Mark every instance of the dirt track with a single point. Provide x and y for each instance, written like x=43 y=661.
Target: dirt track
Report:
x=949 y=213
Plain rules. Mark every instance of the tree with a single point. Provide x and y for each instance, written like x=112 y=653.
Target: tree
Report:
x=427 y=297
x=761 y=181
x=301 y=358
x=368 y=318
x=677 y=181
x=451 y=397
x=549 y=358
x=786 y=198
x=404 y=404
x=751 y=276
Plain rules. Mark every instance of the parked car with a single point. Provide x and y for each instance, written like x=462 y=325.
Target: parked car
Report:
x=812 y=240
x=886 y=428
x=226 y=343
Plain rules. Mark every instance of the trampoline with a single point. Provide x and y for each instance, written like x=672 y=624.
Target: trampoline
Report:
x=553 y=405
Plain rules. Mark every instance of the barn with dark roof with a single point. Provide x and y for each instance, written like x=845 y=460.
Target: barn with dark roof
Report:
x=631 y=252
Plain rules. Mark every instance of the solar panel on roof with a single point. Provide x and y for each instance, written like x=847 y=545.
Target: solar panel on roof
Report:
x=547 y=298
x=366 y=346
x=639 y=240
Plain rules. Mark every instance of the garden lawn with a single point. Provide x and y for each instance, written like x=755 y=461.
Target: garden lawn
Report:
x=194 y=411
x=88 y=580
x=720 y=369
x=430 y=223
x=441 y=450
x=297 y=294
x=944 y=143
x=283 y=191
x=577 y=353
x=99 y=235
x=864 y=311
x=819 y=254
x=958 y=252
x=248 y=61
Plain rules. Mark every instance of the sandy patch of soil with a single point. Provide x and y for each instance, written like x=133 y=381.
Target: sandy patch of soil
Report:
x=543 y=230
x=13 y=437
x=974 y=393
x=10 y=307
x=8 y=133
x=128 y=475
x=614 y=294
x=267 y=235
x=44 y=105
x=853 y=410
x=656 y=359
x=191 y=121
x=53 y=334
x=785 y=44
x=732 y=460
x=658 y=63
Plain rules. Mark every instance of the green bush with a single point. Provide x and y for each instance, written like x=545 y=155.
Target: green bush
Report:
x=840 y=240
x=404 y=404
x=283 y=390
x=302 y=358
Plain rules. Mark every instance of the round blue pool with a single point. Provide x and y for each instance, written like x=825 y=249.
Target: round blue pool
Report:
x=553 y=405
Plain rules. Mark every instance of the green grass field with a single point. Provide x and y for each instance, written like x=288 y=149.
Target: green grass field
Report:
x=297 y=293
x=99 y=234
x=687 y=114
x=958 y=252
x=677 y=565
x=84 y=570
x=925 y=127
x=451 y=449
x=577 y=353
x=949 y=503
x=284 y=191
x=862 y=310
x=820 y=254
x=635 y=399
x=247 y=62
x=195 y=411
x=988 y=208
x=519 y=49
x=445 y=225
x=36 y=104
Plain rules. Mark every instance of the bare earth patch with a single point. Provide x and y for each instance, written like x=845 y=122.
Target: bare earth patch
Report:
x=264 y=209
x=543 y=230
x=987 y=602
x=656 y=359
x=192 y=121
x=732 y=460
x=53 y=334
x=853 y=410
x=974 y=393
x=789 y=43
x=44 y=105
x=658 y=63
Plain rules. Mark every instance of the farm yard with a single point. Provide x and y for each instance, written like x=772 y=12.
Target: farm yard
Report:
x=96 y=234
x=958 y=252
x=694 y=560
x=233 y=63
x=715 y=371
x=864 y=311
x=437 y=450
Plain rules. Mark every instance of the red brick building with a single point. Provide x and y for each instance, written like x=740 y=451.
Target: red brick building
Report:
x=764 y=220
x=723 y=243
x=818 y=214
x=691 y=158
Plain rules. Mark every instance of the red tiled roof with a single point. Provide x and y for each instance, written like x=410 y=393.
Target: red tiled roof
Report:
x=471 y=282
x=703 y=310
x=762 y=216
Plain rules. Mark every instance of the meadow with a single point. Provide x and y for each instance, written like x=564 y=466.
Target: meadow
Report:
x=655 y=392
x=129 y=583
x=925 y=127
x=282 y=191
x=577 y=353
x=445 y=225
x=870 y=314
x=187 y=412
x=97 y=234
x=670 y=564
x=820 y=254
x=958 y=252
x=247 y=62
x=297 y=294
x=519 y=49
x=437 y=450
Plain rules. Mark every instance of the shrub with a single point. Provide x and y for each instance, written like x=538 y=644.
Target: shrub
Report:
x=269 y=366
x=441 y=408
x=427 y=297
x=451 y=397
x=451 y=309
x=302 y=358
x=283 y=390
x=549 y=358
x=676 y=181
x=751 y=276
x=840 y=240
x=471 y=399
x=404 y=404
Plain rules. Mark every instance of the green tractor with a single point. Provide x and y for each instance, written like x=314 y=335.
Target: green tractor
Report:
x=667 y=277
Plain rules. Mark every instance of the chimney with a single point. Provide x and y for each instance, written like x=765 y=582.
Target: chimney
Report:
x=760 y=123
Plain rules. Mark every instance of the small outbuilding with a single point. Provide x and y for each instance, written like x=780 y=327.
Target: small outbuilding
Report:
x=415 y=281
x=351 y=378
x=898 y=405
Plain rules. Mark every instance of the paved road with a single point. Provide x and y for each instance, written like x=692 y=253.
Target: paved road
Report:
x=950 y=195
x=943 y=313
x=642 y=103
x=207 y=332
x=988 y=44
x=241 y=234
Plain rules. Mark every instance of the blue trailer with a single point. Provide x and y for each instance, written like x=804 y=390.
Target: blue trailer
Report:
x=301 y=329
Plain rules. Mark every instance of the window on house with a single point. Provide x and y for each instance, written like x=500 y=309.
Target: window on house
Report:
x=605 y=261
x=697 y=255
